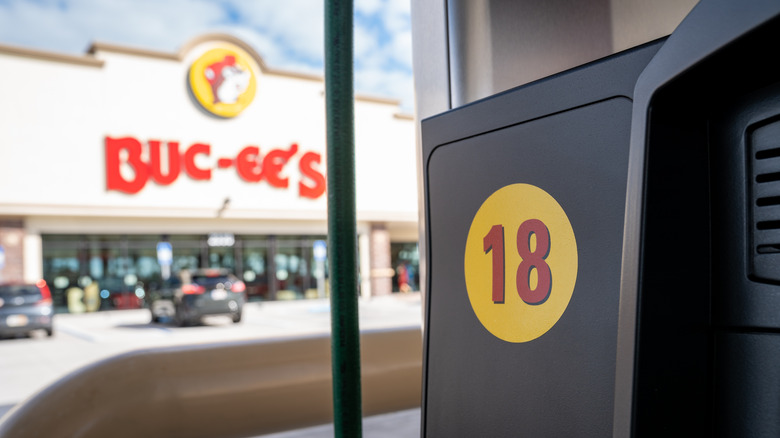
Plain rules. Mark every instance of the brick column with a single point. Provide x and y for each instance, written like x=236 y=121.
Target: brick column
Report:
x=381 y=269
x=12 y=240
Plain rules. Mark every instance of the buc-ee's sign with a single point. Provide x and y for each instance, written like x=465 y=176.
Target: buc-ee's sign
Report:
x=223 y=82
x=252 y=165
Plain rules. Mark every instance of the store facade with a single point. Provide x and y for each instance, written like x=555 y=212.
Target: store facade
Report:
x=122 y=167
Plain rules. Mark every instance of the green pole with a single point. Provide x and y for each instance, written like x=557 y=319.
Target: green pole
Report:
x=342 y=228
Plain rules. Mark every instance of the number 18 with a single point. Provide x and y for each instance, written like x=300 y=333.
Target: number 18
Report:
x=531 y=259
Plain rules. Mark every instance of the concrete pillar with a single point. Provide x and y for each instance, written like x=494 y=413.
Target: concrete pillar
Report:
x=33 y=257
x=364 y=246
x=381 y=268
x=12 y=241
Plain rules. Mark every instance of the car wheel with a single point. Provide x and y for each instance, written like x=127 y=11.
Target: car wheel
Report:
x=237 y=317
x=49 y=331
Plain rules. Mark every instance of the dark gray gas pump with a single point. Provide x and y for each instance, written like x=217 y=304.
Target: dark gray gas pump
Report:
x=603 y=245
x=511 y=356
x=699 y=332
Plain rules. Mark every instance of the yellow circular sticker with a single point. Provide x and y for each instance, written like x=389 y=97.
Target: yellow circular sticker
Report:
x=520 y=263
x=223 y=80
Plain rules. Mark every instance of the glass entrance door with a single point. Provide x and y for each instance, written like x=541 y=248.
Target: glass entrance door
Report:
x=292 y=269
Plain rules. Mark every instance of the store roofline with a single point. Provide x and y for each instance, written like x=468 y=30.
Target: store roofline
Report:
x=99 y=46
x=404 y=116
x=90 y=60
x=84 y=60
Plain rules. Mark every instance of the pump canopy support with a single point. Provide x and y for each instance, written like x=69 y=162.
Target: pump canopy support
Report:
x=342 y=228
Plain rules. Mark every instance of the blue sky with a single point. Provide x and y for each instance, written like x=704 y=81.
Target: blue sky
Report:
x=288 y=34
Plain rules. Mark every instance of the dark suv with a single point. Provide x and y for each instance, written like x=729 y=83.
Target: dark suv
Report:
x=24 y=308
x=194 y=294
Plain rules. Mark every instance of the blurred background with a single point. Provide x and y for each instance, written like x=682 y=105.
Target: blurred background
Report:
x=98 y=92
x=162 y=177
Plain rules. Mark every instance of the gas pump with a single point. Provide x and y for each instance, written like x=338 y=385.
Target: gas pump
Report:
x=602 y=246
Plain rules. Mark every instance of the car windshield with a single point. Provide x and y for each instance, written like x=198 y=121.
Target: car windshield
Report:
x=9 y=291
x=210 y=280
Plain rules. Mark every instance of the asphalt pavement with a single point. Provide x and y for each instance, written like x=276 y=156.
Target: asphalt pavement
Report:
x=29 y=364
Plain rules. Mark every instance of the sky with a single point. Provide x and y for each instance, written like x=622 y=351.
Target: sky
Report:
x=288 y=34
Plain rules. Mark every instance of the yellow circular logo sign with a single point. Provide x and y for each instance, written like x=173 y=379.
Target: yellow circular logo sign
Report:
x=223 y=80
x=520 y=263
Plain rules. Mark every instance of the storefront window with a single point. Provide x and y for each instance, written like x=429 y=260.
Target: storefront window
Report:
x=187 y=251
x=319 y=268
x=61 y=271
x=183 y=259
x=291 y=268
x=103 y=270
x=222 y=257
x=405 y=258
x=255 y=268
x=146 y=266
x=96 y=267
x=92 y=272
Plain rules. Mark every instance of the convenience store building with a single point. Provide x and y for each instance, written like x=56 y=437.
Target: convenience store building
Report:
x=208 y=151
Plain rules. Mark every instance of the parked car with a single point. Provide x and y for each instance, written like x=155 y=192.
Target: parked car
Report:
x=121 y=295
x=161 y=298
x=194 y=294
x=25 y=307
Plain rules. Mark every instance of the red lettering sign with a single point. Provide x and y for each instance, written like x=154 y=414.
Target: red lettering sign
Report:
x=192 y=169
x=126 y=170
x=114 y=178
x=273 y=163
x=317 y=186
x=248 y=164
x=155 y=163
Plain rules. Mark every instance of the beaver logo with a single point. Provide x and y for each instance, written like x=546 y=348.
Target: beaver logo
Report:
x=227 y=80
x=222 y=81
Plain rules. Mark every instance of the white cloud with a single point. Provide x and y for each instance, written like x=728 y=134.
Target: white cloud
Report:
x=396 y=83
x=27 y=24
x=401 y=48
x=366 y=41
x=298 y=25
x=396 y=15
x=72 y=27
x=271 y=52
x=368 y=7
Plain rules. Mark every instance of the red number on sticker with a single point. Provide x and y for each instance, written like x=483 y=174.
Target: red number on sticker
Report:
x=532 y=260
x=494 y=241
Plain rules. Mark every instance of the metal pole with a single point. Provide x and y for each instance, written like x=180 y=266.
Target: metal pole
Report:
x=342 y=229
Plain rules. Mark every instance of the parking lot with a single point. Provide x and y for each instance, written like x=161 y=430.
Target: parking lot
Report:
x=29 y=364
